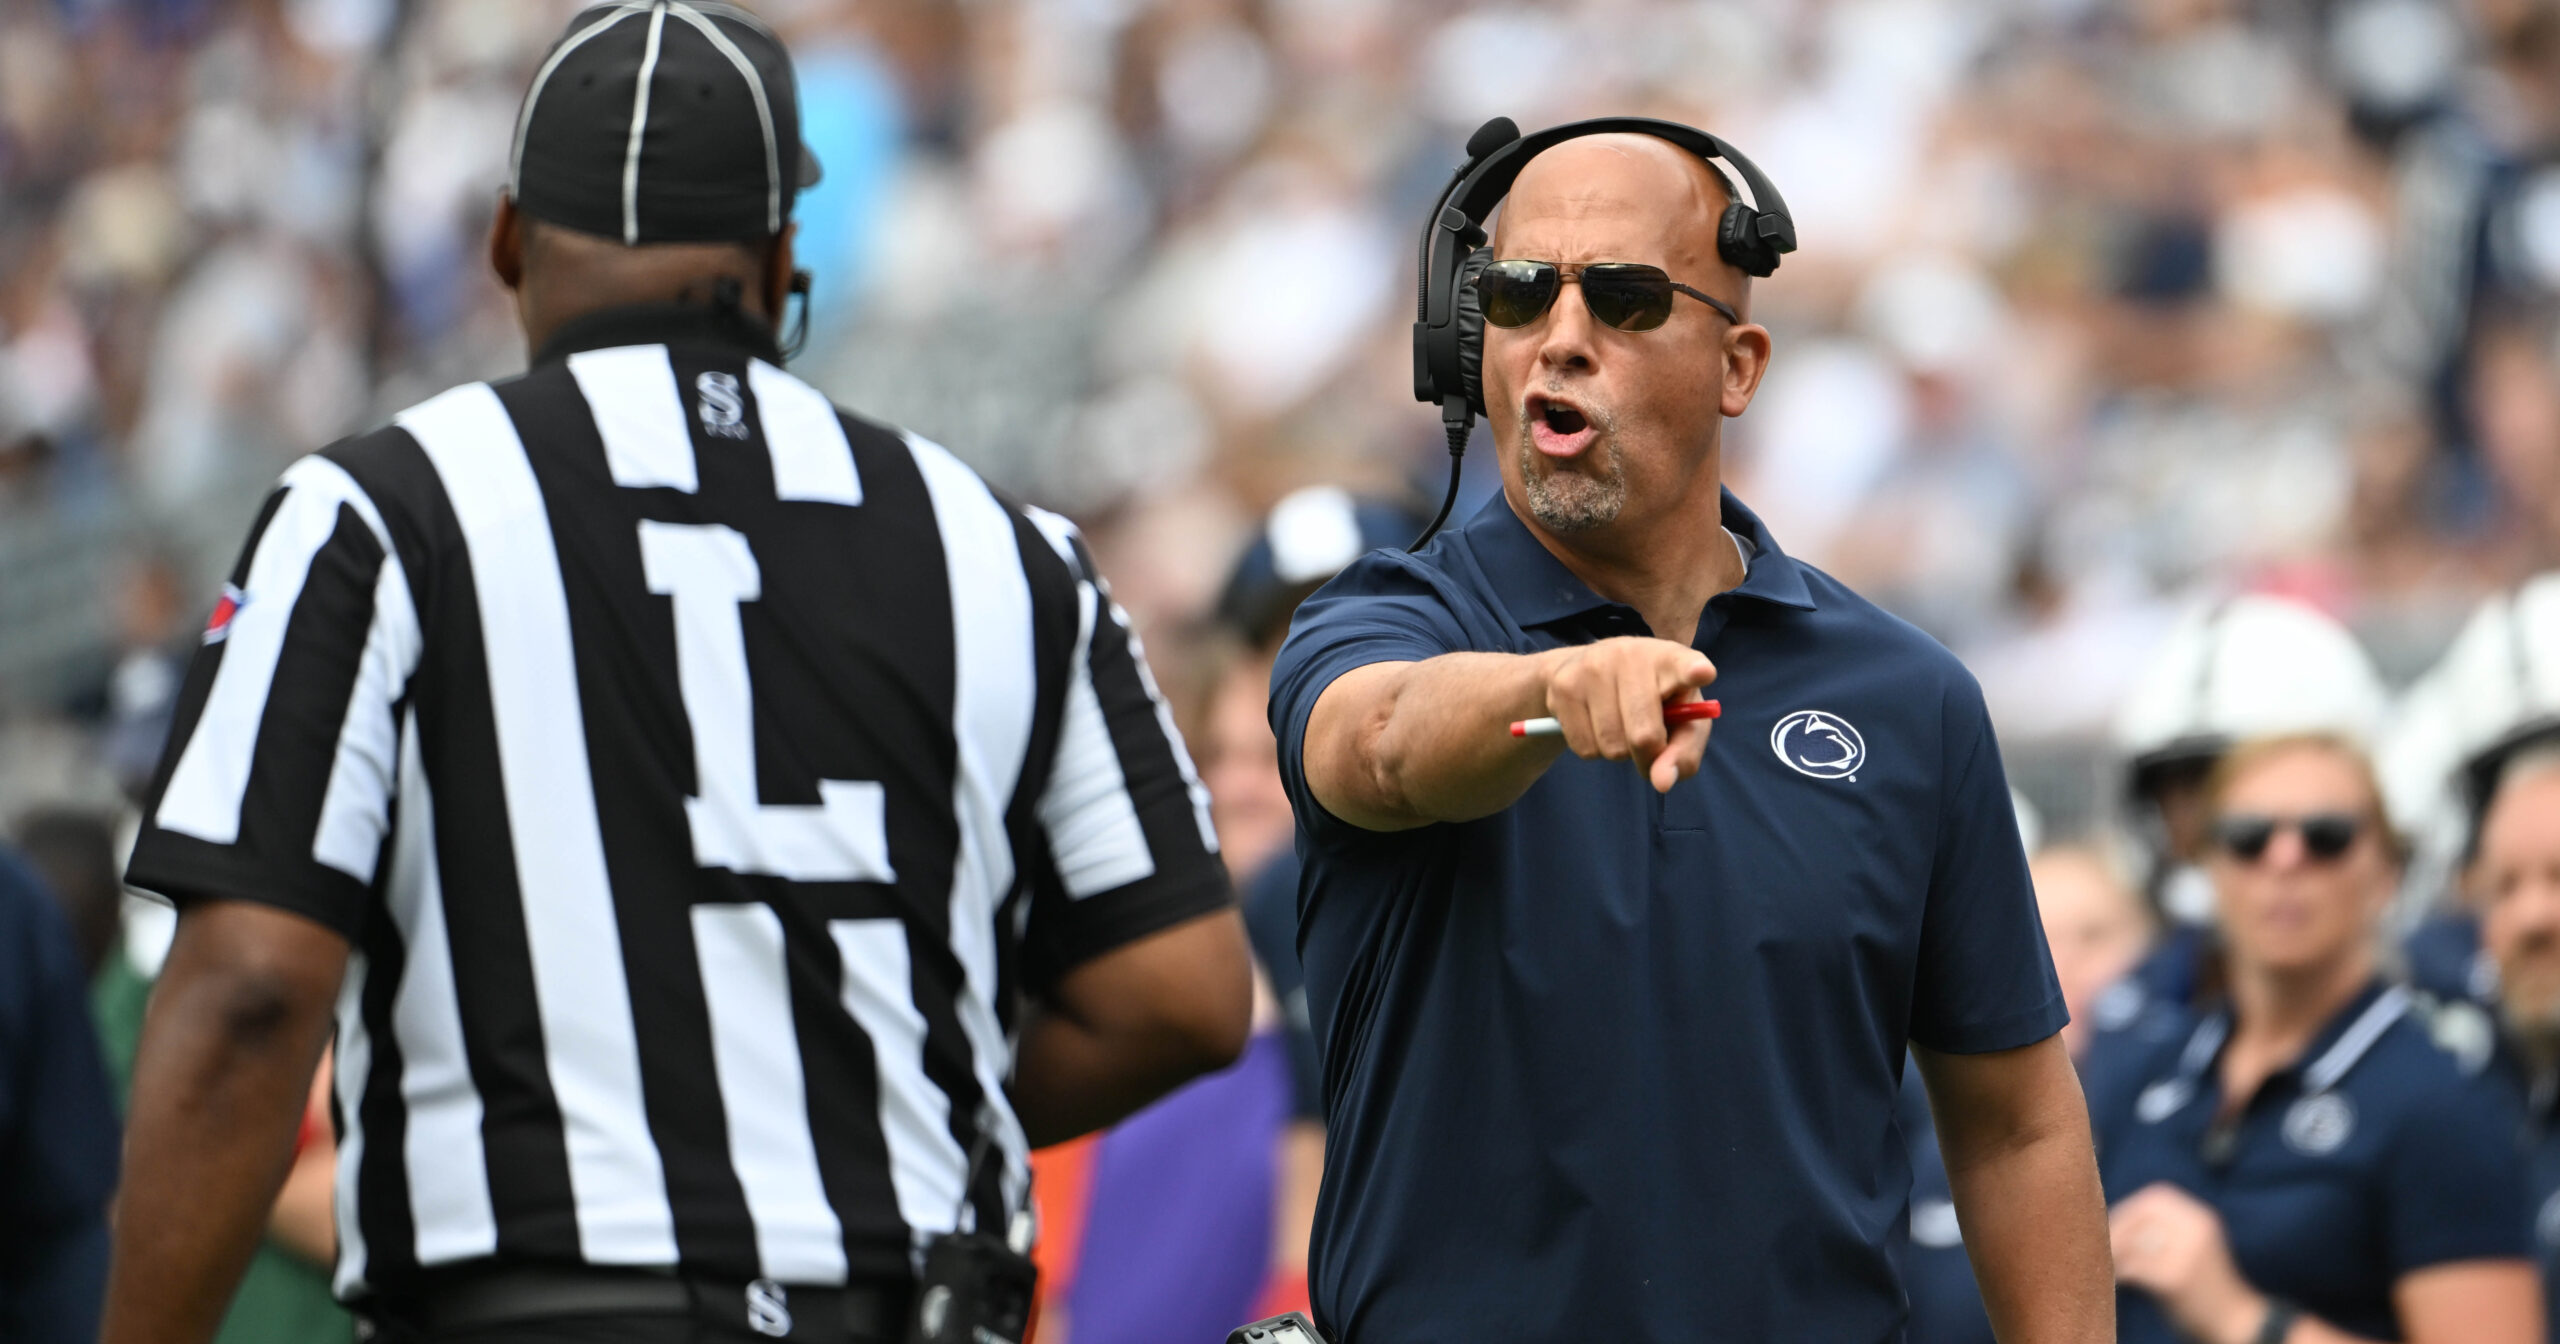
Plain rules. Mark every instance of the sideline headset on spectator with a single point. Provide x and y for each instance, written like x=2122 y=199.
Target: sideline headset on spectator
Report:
x=1448 y=329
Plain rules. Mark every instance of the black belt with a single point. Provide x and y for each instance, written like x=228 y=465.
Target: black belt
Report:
x=856 y=1313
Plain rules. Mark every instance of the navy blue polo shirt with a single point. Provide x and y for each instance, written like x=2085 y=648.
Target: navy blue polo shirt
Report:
x=1611 y=1064
x=2445 y=958
x=2376 y=1154
x=2129 y=1020
x=59 y=1133
x=2540 y=1098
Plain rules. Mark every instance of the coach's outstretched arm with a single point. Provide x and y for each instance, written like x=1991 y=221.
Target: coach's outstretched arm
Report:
x=1392 y=746
x=2015 y=1132
x=236 y=1026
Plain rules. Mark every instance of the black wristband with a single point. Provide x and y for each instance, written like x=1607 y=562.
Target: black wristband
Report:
x=2279 y=1323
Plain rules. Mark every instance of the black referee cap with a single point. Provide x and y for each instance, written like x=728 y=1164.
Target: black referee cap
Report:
x=663 y=121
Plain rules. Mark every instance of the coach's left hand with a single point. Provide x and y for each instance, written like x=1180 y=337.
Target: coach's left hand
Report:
x=2170 y=1244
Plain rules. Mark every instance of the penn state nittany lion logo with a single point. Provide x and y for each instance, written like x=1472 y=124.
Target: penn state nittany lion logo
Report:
x=1822 y=745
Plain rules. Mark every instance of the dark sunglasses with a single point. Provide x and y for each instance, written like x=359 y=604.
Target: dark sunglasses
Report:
x=2325 y=835
x=1621 y=294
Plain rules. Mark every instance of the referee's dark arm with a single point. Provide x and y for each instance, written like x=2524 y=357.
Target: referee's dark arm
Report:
x=722 y=832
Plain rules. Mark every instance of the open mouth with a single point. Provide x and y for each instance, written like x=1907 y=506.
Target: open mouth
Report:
x=1557 y=426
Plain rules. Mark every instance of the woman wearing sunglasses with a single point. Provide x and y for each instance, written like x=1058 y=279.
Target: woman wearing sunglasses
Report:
x=2307 y=1166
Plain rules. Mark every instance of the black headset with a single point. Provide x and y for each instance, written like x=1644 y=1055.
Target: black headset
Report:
x=1448 y=328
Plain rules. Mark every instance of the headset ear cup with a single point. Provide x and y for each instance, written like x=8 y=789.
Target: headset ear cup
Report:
x=1470 y=324
x=1737 y=242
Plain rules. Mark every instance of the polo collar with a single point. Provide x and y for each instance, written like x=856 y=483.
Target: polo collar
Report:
x=1536 y=588
x=2339 y=1047
x=661 y=324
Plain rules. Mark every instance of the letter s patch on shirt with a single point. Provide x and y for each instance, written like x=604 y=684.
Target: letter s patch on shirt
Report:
x=724 y=412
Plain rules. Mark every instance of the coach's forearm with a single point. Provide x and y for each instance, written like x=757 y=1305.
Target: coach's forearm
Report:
x=1409 y=744
x=2014 y=1131
x=235 y=1029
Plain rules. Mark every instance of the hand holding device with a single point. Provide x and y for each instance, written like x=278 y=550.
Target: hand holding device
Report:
x=1612 y=700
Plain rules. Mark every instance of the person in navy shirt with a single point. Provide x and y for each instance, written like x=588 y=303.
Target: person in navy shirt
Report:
x=2238 y=667
x=1611 y=1052
x=2514 y=883
x=2308 y=1164
x=2097 y=926
x=58 y=1125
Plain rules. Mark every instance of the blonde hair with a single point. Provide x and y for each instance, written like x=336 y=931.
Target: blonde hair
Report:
x=2249 y=755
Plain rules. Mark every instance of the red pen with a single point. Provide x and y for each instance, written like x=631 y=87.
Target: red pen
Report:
x=1671 y=714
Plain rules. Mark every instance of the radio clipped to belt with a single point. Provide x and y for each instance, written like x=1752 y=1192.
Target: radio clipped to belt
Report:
x=977 y=1285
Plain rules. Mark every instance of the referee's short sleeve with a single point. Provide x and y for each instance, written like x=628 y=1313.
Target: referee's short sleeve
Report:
x=277 y=779
x=1985 y=980
x=1123 y=817
x=1378 y=610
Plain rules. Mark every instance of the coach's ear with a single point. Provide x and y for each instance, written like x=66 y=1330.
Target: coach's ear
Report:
x=506 y=242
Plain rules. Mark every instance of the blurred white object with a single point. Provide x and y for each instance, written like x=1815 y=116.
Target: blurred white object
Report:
x=1936 y=314
x=2396 y=55
x=1533 y=50
x=1314 y=532
x=338 y=27
x=2030 y=821
x=2221 y=78
x=2249 y=666
x=1830 y=420
x=2497 y=685
x=2532 y=227
x=1215 y=89
x=1141 y=435
x=1056 y=180
x=1295 y=289
x=2496 y=688
x=2313 y=254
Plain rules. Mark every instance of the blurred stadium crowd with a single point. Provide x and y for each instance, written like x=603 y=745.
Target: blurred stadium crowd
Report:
x=2106 y=311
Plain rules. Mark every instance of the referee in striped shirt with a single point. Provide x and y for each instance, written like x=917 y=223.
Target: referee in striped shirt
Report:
x=726 y=834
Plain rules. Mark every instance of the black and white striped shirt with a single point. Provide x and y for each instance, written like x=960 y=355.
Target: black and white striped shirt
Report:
x=697 y=773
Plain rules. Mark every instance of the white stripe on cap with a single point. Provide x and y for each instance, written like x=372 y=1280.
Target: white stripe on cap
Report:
x=639 y=124
x=764 y=110
x=542 y=77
